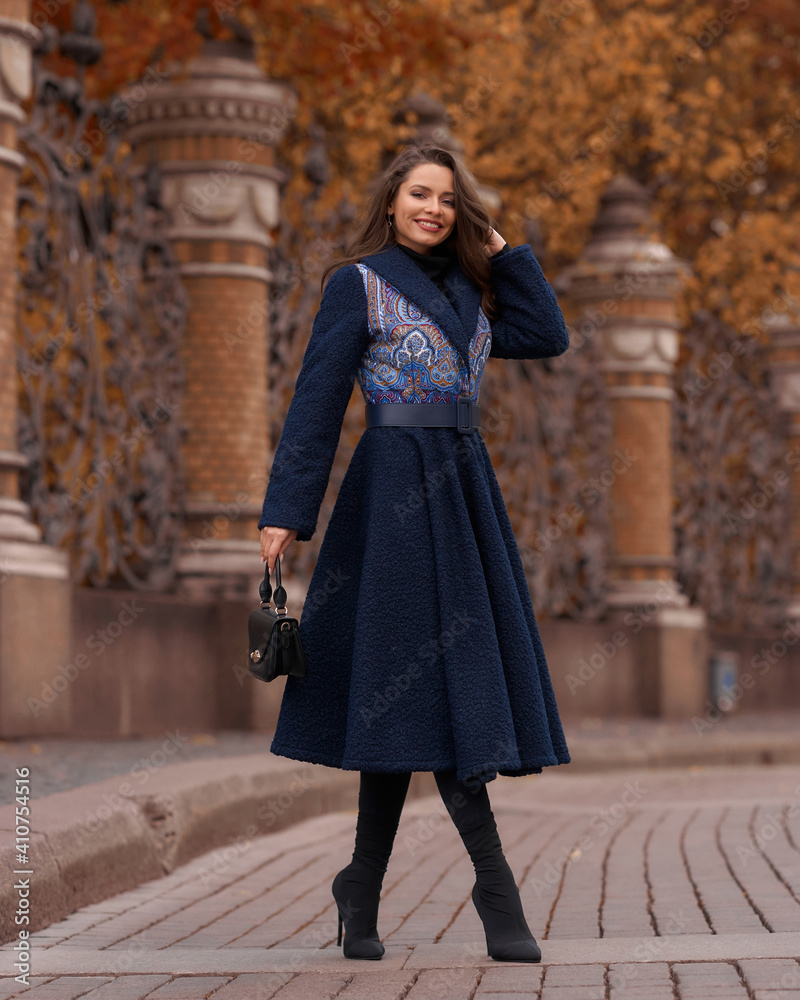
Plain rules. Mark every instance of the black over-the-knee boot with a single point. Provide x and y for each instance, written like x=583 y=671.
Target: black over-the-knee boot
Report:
x=495 y=893
x=357 y=887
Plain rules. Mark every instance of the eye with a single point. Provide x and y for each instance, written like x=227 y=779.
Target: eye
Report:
x=447 y=201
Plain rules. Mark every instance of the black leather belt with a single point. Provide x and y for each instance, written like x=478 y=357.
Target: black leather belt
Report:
x=464 y=415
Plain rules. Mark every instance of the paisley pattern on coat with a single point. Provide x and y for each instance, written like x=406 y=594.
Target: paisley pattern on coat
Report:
x=409 y=360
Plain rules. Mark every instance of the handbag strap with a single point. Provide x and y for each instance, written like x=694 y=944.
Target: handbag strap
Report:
x=265 y=588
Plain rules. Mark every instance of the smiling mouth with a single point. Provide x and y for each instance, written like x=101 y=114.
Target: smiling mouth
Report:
x=431 y=227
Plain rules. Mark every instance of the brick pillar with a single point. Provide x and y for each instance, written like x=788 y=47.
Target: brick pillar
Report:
x=213 y=133
x=624 y=287
x=34 y=578
x=784 y=364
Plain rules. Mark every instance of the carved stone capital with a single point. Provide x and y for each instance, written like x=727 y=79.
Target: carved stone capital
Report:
x=223 y=201
x=633 y=346
x=623 y=259
x=622 y=270
x=234 y=199
x=221 y=96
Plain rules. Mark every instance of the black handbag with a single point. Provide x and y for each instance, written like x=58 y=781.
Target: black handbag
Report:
x=275 y=646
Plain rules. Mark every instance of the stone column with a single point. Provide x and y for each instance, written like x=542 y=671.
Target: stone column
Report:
x=784 y=365
x=624 y=287
x=213 y=132
x=35 y=624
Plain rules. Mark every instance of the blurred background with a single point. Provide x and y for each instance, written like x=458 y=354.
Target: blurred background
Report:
x=175 y=177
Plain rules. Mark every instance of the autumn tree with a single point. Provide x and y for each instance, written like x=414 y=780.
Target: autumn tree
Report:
x=550 y=99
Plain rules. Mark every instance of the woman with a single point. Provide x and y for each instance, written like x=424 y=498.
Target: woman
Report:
x=422 y=647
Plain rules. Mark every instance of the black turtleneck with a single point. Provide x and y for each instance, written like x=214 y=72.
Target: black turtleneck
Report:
x=436 y=265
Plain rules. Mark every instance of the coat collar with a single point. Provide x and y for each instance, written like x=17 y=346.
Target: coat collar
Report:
x=457 y=323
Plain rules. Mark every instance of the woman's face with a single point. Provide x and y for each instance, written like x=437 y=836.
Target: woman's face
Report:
x=423 y=208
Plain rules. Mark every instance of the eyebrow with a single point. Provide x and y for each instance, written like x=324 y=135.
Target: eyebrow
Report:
x=424 y=188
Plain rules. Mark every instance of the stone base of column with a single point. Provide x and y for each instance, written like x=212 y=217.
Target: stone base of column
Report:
x=791 y=611
x=671 y=651
x=36 y=633
x=221 y=568
x=229 y=569
x=650 y=594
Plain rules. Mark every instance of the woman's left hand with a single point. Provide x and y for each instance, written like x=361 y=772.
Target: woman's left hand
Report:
x=495 y=243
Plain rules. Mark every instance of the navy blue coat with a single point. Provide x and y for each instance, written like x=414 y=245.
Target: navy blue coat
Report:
x=422 y=646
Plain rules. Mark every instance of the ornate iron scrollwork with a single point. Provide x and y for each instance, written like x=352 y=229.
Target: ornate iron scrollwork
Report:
x=100 y=314
x=548 y=422
x=732 y=475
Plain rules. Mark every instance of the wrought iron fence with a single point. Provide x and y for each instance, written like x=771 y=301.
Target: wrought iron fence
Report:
x=548 y=441
x=731 y=472
x=100 y=312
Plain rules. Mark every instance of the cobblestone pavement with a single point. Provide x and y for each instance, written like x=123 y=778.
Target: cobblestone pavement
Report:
x=639 y=885
x=64 y=763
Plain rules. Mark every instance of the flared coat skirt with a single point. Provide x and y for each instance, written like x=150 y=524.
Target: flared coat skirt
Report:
x=422 y=646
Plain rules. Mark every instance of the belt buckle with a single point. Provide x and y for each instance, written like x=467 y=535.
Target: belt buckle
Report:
x=464 y=414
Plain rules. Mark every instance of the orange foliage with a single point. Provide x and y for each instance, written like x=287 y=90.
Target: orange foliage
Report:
x=550 y=99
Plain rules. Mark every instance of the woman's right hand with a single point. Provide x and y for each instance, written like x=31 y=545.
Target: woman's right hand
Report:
x=274 y=542
x=494 y=243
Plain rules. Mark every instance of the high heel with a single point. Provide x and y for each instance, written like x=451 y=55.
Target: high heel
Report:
x=356 y=890
x=508 y=937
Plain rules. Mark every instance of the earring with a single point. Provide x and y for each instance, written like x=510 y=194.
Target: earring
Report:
x=389 y=220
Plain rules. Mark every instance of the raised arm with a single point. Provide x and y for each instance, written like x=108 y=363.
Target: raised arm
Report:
x=304 y=456
x=529 y=323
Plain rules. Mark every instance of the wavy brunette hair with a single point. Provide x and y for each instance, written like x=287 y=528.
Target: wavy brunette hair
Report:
x=470 y=233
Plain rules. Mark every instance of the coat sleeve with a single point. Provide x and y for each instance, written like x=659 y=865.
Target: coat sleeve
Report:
x=303 y=459
x=529 y=321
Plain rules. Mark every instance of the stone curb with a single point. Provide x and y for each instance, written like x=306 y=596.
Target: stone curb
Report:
x=95 y=841
x=619 y=951
x=710 y=749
